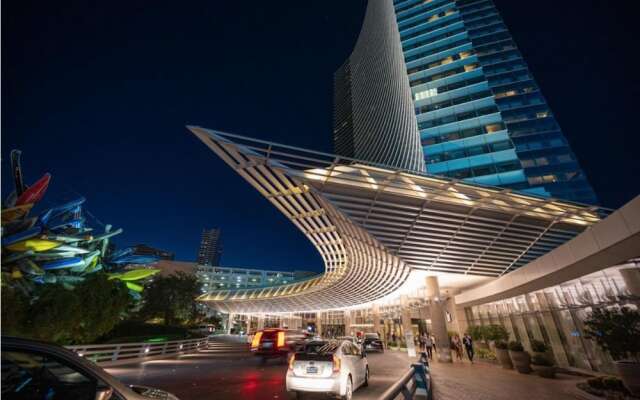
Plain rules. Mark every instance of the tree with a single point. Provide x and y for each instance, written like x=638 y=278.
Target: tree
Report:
x=616 y=330
x=172 y=298
x=66 y=316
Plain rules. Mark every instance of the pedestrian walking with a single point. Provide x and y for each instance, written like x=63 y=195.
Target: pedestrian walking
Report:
x=428 y=345
x=468 y=344
x=421 y=341
x=456 y=346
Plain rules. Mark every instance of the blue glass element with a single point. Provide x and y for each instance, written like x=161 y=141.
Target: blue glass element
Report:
x=480 y=113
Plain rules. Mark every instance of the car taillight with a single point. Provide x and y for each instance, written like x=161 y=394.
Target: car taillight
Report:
x=256 y=340
x=280 y=342
x=336 y=363
x=291 y=361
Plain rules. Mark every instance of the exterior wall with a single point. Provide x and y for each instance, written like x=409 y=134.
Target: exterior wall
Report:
x=373 y=116
x=480 y=113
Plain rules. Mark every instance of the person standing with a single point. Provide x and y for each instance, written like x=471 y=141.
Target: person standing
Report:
x=428 y=345
x=468 y=344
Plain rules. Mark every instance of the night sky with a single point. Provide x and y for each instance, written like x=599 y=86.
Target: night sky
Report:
x=98 y=94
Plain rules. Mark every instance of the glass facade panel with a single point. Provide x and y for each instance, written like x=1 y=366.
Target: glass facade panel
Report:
x=445 y=42
x=556 y=315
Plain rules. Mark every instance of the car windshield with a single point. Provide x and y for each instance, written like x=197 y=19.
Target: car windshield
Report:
x=321 y=347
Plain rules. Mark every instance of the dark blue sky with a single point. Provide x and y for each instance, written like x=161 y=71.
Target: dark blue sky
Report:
x=99 y=94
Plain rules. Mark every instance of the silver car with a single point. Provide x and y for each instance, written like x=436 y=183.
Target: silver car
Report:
x=336 y=367
x=39 y=370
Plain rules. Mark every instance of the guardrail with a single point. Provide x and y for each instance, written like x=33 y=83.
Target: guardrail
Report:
x=414 y=384
x=107 y=355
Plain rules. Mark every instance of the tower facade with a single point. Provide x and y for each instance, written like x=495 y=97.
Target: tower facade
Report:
x=480 y=115
x=210 y=247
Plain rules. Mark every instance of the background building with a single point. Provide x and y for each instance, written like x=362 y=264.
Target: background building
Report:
x=214 y=278
x=479 y=113
x=210 y=247
x=144 y=250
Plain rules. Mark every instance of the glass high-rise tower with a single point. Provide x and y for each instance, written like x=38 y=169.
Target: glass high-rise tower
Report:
x=477 y=113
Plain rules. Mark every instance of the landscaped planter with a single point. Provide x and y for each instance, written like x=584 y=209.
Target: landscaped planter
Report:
x=545 y=371
x=521 y=361
x=629 y=372
x=503 y=356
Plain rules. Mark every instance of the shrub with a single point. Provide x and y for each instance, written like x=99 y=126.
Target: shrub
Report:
x=616 y=331
x=476 y=332
x=515 y=346
x=596 y=382
x=486 y=354
x=538 y=346
x=495 y=332
x=610 y=383
x=613 y=383
x=541 y=360
x=502 y=345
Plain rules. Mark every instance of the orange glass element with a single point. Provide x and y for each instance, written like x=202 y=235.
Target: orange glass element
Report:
x=280 y=339
x=256 y=340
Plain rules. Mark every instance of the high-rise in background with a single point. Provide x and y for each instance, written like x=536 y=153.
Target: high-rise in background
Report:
x=210 y=247
x=441 y=85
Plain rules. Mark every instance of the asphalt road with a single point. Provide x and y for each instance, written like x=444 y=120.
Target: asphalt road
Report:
x=242 y=376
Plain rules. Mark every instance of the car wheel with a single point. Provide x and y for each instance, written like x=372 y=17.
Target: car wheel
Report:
x=366 y=378
x=299 y=395
x=348 y=393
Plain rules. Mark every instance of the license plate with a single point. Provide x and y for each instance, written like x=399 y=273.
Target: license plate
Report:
x=312 y=370
x=368 y=346
x=267 y=345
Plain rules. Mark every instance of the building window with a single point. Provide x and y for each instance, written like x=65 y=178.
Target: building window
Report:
x=541 y=161
x=426 y=94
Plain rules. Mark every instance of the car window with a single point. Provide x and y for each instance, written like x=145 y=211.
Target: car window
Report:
x=28 y=375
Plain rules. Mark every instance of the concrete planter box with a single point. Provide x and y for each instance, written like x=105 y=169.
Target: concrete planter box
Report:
x=629 y=372
x=521 y=361
x=503 y=356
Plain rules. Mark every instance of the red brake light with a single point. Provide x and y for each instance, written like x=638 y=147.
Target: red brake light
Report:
x=336 y=363
x=280 y=342
x=256 y=340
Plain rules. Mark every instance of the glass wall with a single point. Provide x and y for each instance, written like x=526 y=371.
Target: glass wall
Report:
x=556 y=315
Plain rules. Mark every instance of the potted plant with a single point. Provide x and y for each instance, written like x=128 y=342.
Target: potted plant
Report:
x=502 y=354
x=543 y=366
x=617 y=331
x=477 y=334
x=538 y=348
x=520 y=358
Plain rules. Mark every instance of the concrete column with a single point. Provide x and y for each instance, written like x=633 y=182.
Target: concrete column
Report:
x=319 y=324
x=438 y=319
x=407 y=330
x=260 y=322
x=375 y=315
x=230 y=318
x=347 y=322
x=631 y=277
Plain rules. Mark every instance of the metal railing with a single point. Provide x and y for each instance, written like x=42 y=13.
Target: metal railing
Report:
x=107 y=355
x=414 y=384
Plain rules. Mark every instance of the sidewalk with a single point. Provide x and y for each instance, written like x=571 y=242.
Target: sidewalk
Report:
x=481 y=381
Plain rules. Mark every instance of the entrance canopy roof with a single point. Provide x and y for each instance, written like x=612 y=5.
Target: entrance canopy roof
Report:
x=372 y=224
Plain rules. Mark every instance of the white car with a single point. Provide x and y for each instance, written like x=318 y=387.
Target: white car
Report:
x=336 y=367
